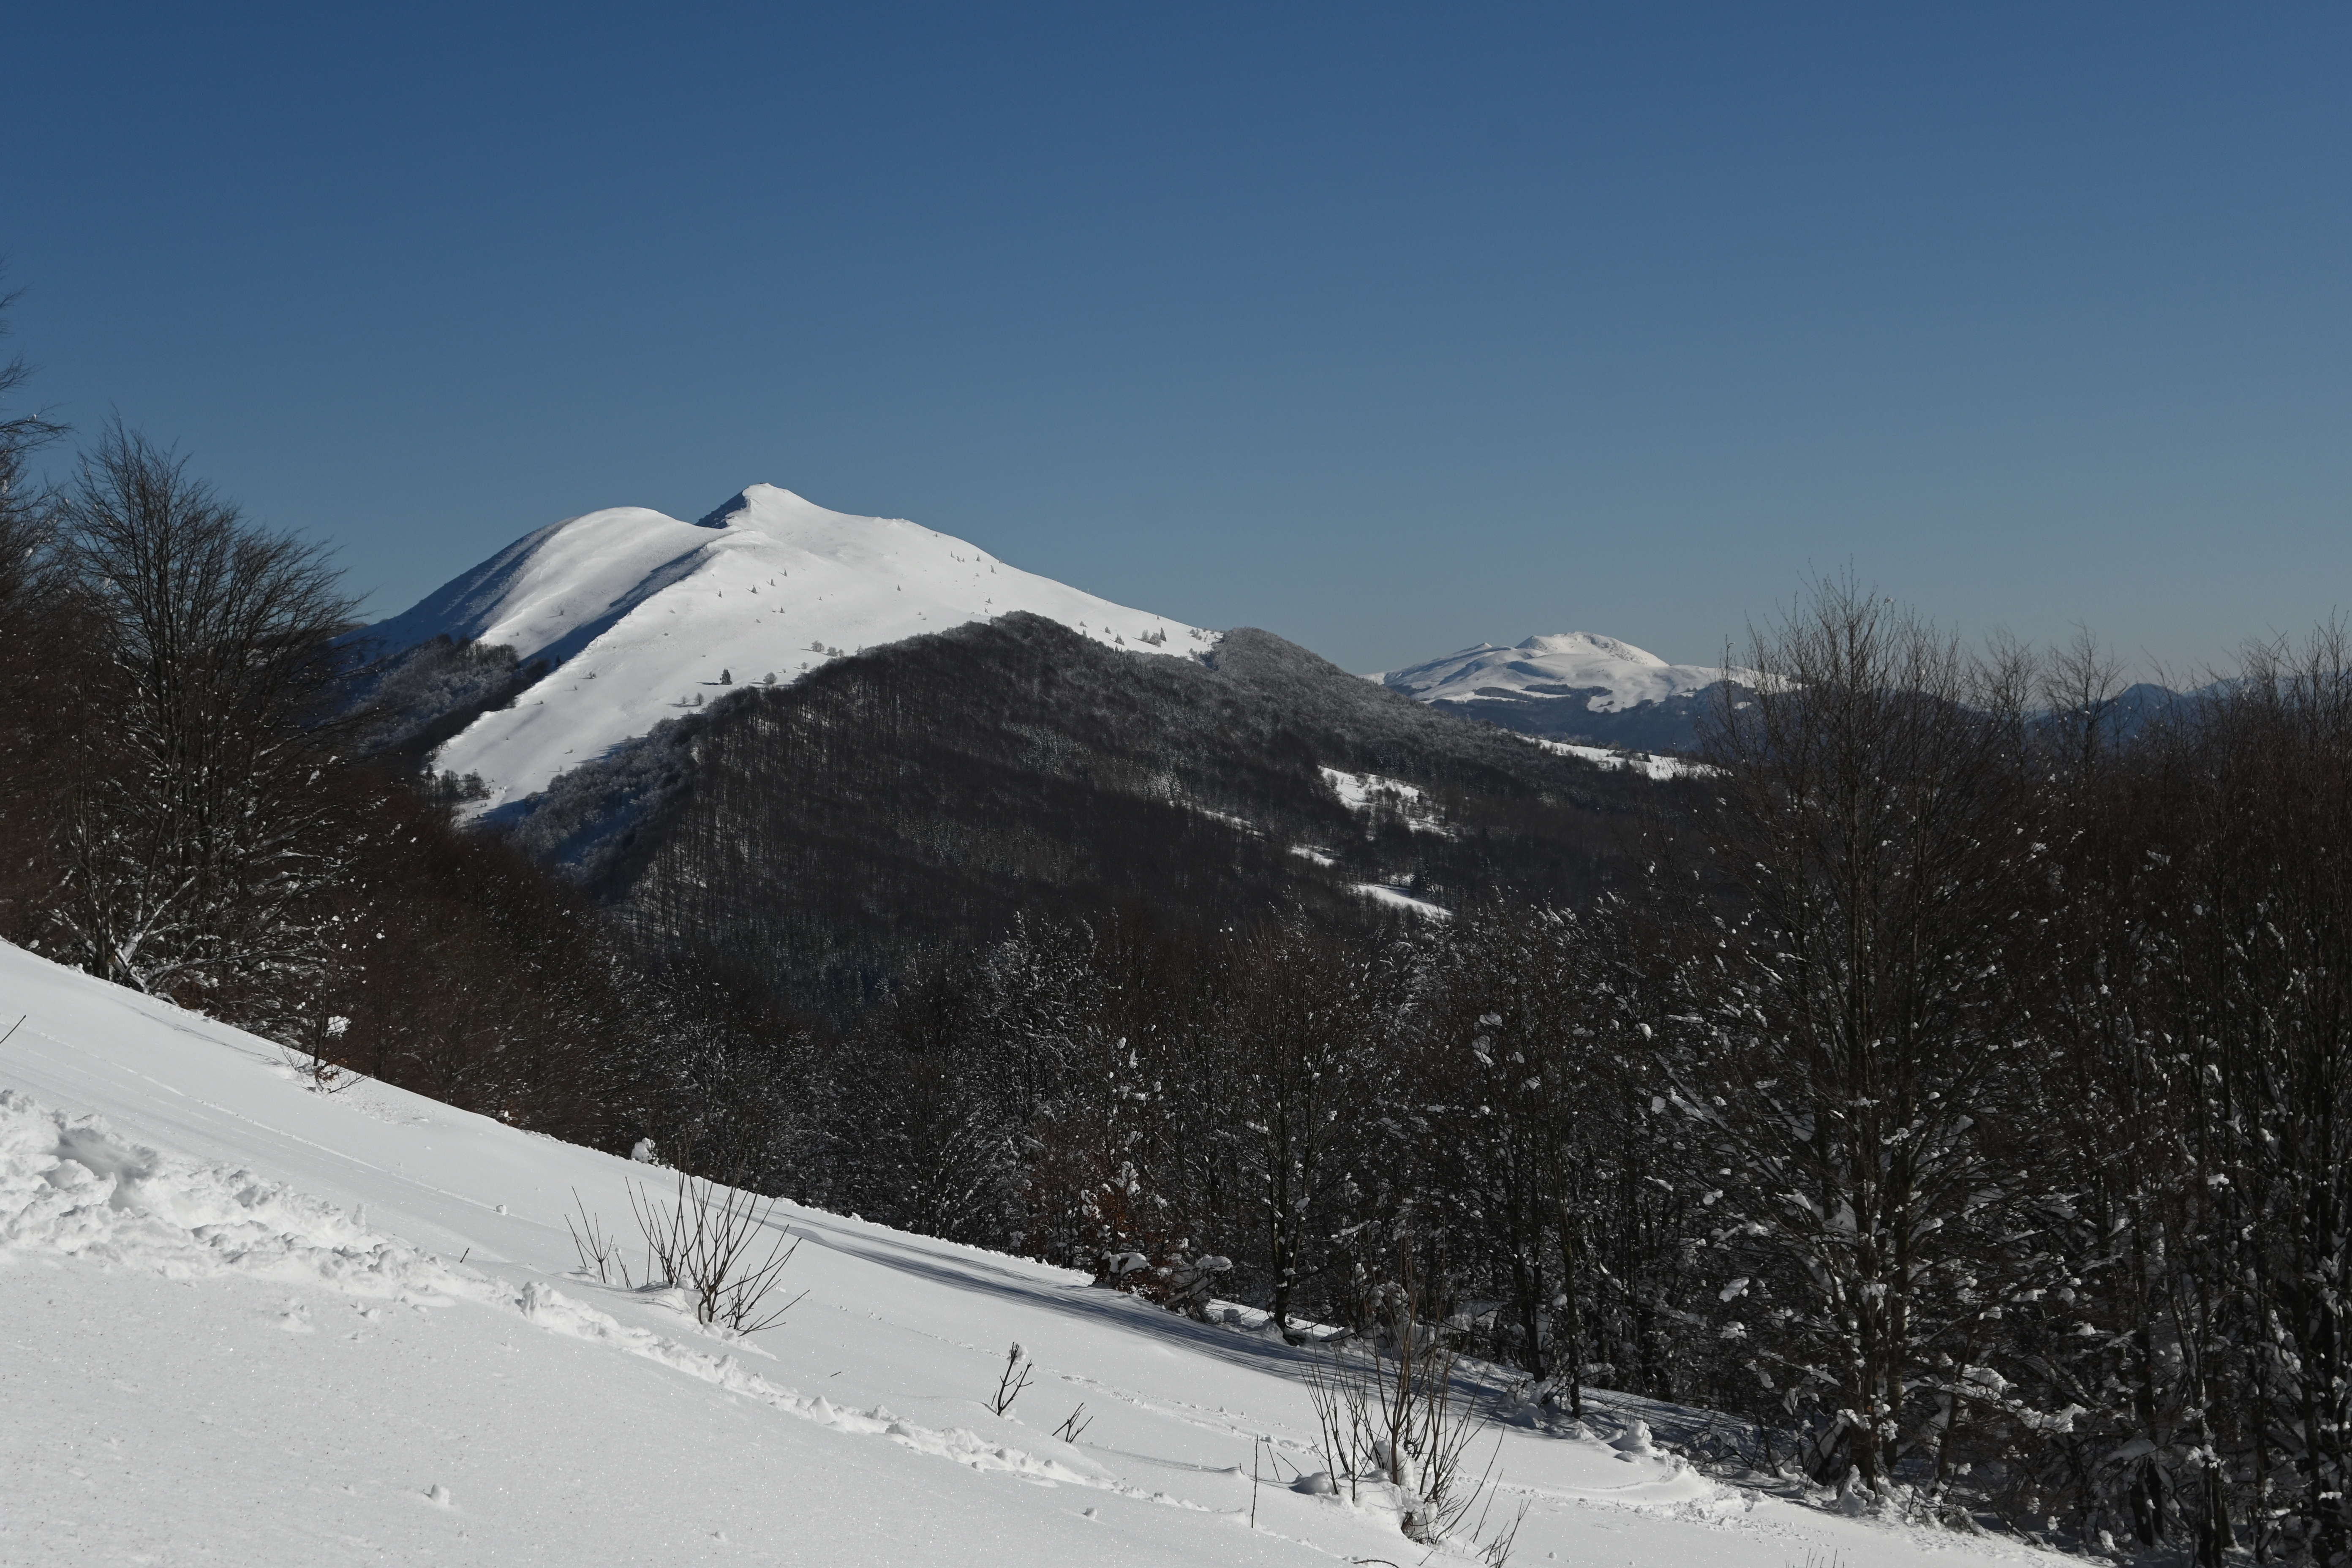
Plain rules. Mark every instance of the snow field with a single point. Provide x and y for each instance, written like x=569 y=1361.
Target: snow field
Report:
x=241 y=1321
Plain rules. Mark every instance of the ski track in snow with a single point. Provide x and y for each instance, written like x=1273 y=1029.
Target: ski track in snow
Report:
x=231 y=1329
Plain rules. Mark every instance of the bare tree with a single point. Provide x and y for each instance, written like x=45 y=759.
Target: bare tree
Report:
x=2249 y=906
x=706 y=1242
x=38 y=624
x=1305 y=1029
x=204 y=838
x=1870 y=817
x=1390 y=1406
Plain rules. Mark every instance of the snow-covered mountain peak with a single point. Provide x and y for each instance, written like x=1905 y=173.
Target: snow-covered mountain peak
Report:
x=641 y=617
x=1612 y=675
x=775 y=510
x=1589 y=646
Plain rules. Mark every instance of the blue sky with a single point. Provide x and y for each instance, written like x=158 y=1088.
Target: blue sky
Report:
x=1390 y=329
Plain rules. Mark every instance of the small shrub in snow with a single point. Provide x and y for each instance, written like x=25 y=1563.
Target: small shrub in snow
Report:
x=705 y=1242
x=1387 y=1410
x=599 y=1249
x=1016 y=1378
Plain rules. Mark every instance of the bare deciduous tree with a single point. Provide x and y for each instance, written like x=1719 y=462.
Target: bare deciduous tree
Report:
x=204 y=838
x=1871 y=816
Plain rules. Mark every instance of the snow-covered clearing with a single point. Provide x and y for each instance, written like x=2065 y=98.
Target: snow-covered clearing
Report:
x=1649 y=765
x=1398 y=898
x=1370 y=792
x=243 y=1321
x=1360 y=791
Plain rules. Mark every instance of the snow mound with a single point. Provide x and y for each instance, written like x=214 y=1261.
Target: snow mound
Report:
x=70 y=1185
x=641 y=617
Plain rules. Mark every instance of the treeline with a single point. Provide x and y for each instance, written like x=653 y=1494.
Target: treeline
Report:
x=1962 y=1095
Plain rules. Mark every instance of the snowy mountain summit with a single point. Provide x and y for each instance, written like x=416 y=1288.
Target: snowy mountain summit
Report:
x=1570 y=685
x=1611 y=676
x=641 y=617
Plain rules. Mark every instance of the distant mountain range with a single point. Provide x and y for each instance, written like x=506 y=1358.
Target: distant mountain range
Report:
x=821 y=744
x=817 y=747
x=591 y=632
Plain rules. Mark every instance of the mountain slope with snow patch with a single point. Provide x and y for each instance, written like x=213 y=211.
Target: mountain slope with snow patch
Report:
x=641 y=616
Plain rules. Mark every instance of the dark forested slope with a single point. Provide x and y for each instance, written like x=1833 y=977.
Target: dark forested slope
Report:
x=927 y=795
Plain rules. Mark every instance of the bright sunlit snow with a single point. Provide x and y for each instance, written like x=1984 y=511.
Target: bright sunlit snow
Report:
x=1398 y=898
x=1649 y=765
x=645 y=618
x=1613 y=675
x=244 y=1321
x=1368 y=793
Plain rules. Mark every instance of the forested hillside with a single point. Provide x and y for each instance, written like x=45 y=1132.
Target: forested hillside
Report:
x=835 y=834
x=1962 y=1093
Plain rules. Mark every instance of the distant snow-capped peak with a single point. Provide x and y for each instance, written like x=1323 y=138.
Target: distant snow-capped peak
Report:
x=642 y=615
x=1610 y=675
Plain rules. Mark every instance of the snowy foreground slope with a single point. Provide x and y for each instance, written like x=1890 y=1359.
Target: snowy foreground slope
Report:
x=243 y=1322
x=642 y=615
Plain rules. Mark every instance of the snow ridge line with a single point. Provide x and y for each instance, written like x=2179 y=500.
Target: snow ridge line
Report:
x=73 y=1185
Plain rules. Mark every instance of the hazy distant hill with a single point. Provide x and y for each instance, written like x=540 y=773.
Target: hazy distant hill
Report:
x=1574 y=686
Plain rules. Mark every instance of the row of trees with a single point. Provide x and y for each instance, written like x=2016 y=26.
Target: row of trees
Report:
x=1962 y=1094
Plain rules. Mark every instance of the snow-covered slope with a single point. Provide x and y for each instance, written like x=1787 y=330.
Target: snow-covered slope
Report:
x=1610 y=675
x=642 y=615
x=243 y=1321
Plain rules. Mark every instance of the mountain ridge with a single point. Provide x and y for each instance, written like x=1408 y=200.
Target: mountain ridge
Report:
x=636 y=595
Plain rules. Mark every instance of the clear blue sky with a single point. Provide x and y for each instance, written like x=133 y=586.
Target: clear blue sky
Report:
x=1390 y=329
